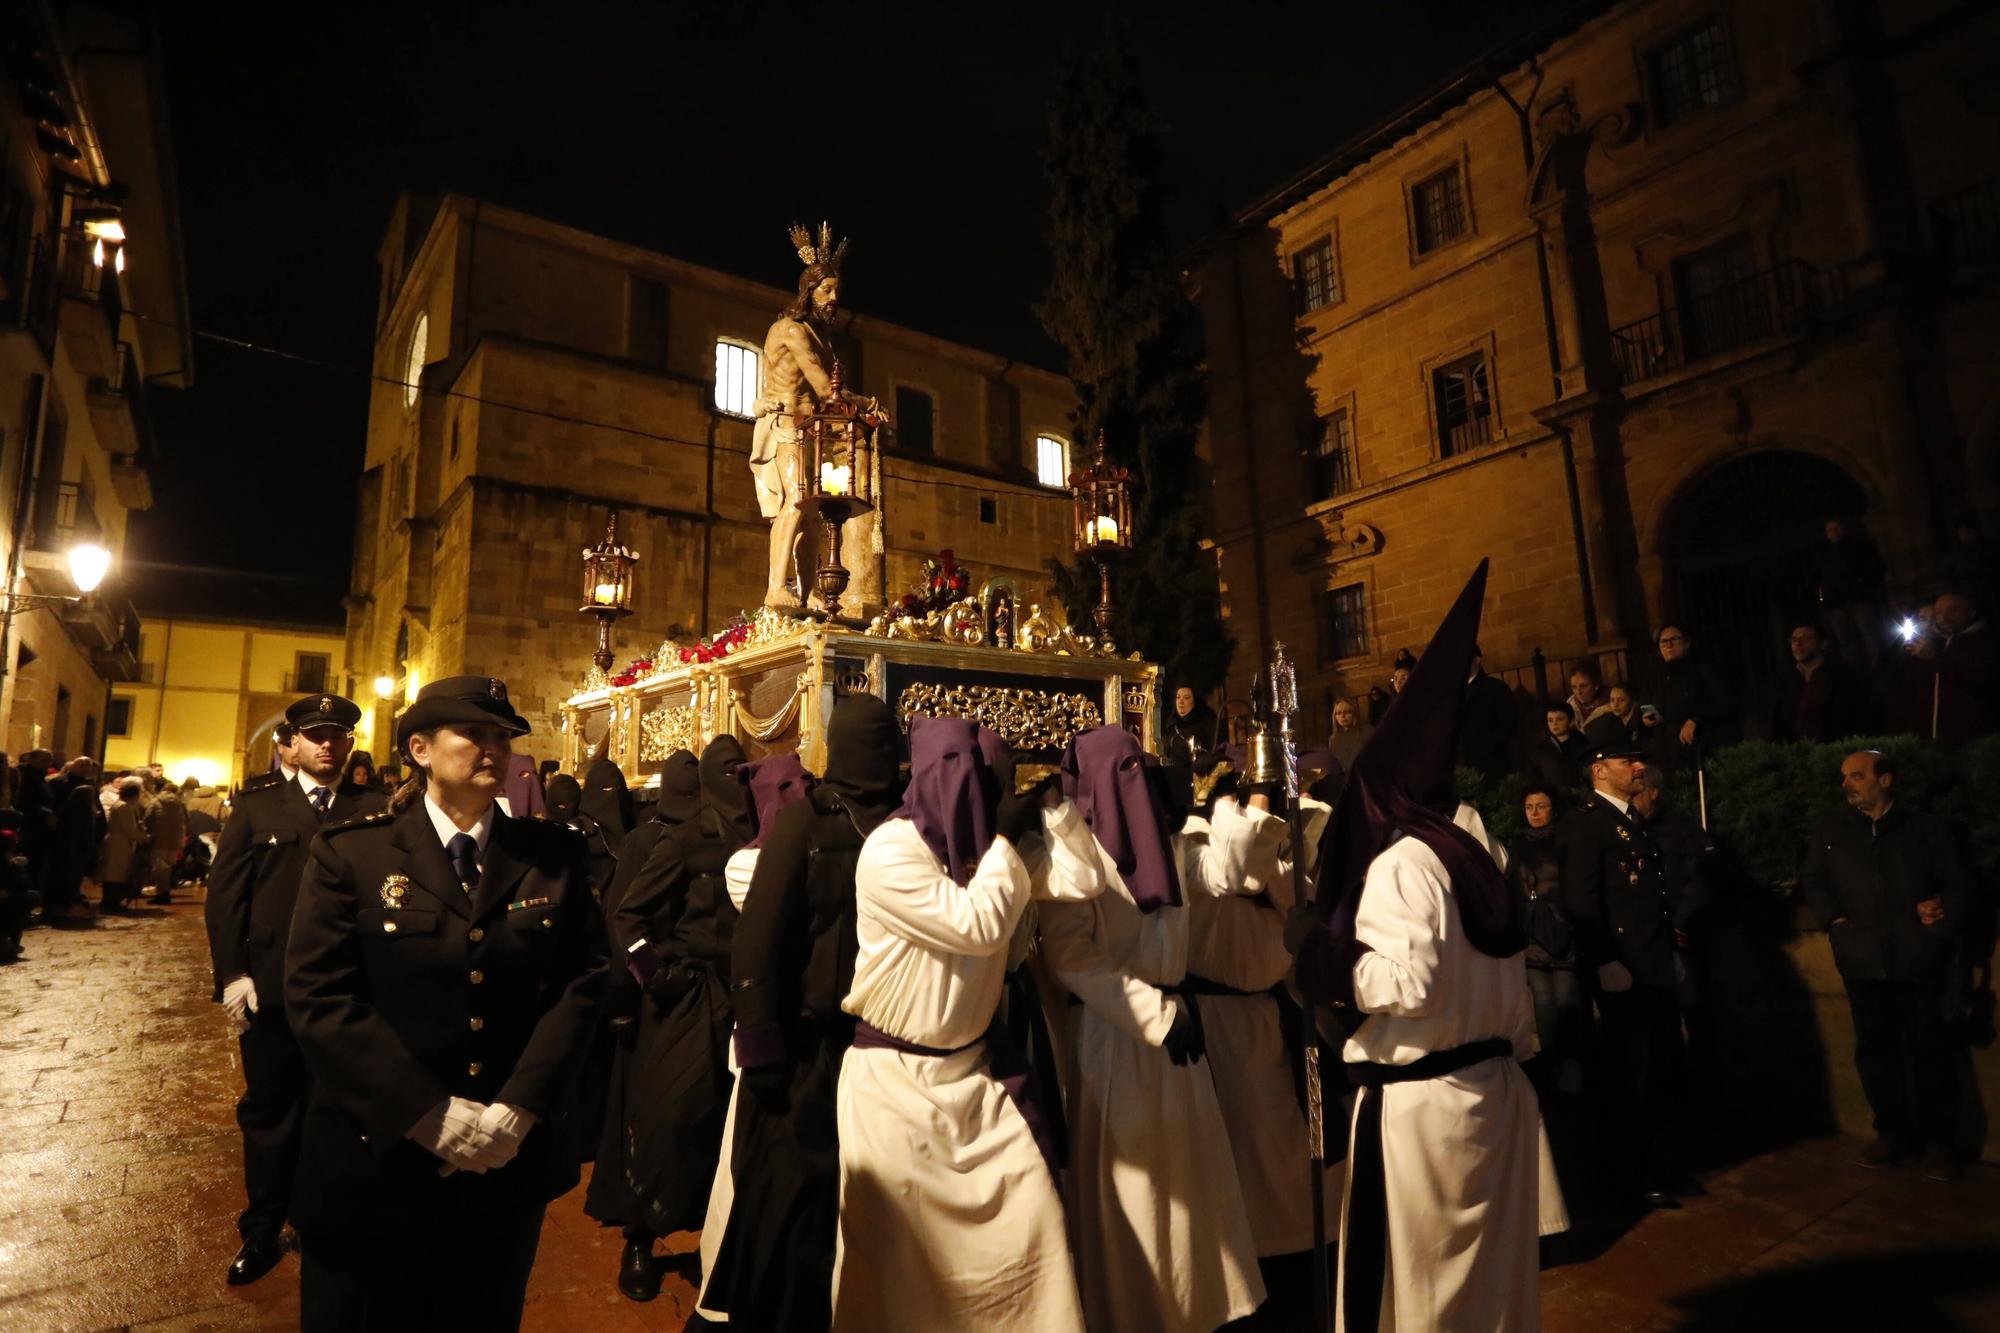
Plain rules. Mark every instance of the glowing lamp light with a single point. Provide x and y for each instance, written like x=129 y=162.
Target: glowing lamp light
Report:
x=605 y=594
x=835 y=478
x=101 y=222
x=118 y=260
x=1105 y=530
x=1907 y=629
x=385 y=686
x=88 y=564
x=205 y=772
x=97 y=253
x=411 y=685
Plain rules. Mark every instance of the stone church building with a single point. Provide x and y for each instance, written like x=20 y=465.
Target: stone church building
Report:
x=1632 y=306
x=531 y=378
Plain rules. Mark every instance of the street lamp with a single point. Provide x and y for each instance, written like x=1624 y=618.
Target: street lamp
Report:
x=88 y=564
x=385 y=686
x=838 y=481
x=607 y=587
x=1102 y=499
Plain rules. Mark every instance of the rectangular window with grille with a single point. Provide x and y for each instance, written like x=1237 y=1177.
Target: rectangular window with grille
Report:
x=1464 y=405
x=1333 y=456
x=1722 y=298
x=310 y=672
x=915 y=421
x=1052 y=461
x=1315 y=280
x=1691 y=74
x=737 y=372
x=1437 y=209
x=1343 y=623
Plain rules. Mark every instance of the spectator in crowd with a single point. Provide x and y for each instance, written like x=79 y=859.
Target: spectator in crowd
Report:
x=1889 y=884
x=1850 y=571
x=1190 y=730
x=1692 y=715
x=1618 y=724
x=521 y=792
x=79 y=836
x=1615 y=886
x=1555 y=760
x=1350 y=733
x=1562 y=1015
x=124 y=861
x=1971 y=566
x=1958 y=666
x=1399 y=679
x=1487 y=723
x=166 y=835
x=38 y=820
x=1587 y=702
x=360 y=771
x=1688 y=870
x=17 y=899
x=283 y=736
x=1378 y=704
x=1820 y=698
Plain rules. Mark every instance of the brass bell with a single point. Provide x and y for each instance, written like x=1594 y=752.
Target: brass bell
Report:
x=1269 y=765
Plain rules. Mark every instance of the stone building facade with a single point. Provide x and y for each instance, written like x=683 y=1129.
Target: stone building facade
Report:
x=532 y=378
x=84 y=162
x=1633 y=316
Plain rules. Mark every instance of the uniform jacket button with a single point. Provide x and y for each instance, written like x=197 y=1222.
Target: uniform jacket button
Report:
x=474 y=1068
x=388 y=927
x=477 y=976
x=475 y=934
x=477 y=1022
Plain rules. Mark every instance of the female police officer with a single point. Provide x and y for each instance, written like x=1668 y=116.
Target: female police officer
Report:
x=442 y=978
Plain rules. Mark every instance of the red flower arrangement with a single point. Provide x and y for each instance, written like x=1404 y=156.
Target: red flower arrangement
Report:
x=635 y=671
x=944 y=581
x=721 y=645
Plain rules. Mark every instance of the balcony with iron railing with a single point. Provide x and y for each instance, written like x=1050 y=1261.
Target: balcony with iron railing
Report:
x=1776 y=303
x=125 y=427
x=1965 y=227
x=32 y=300
x=65 y=513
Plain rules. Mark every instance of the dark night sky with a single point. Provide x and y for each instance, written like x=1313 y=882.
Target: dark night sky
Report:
x=697 y=129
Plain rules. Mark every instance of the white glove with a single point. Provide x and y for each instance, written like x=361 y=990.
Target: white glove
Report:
x=507 y=1125
x=453 y=1131
x=1614 y=978
x=239 y=1001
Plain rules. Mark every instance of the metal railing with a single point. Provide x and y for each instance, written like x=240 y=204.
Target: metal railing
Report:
x=34 y=301
x=1765 y=305
x=1965 y=227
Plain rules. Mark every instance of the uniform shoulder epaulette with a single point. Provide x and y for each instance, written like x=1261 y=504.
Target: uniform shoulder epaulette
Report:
x=368 y=820
x=267 y=779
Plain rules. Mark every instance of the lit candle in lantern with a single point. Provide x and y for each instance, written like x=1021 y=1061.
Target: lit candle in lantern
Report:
x=605 y=594
x=1104 y=530
x=834 y=478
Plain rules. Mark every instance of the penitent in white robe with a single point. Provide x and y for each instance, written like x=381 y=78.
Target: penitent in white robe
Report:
x=1163 y=1241
x=1461 y=1155
x=736 y=873
x=949 y=1216
x=1238 y=939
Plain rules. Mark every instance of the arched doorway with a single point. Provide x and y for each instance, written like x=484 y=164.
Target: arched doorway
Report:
x=1738 y=551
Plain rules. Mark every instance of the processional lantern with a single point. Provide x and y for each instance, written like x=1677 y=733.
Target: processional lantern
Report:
x=607 y=587
x=837 y=480
x=1101 y=495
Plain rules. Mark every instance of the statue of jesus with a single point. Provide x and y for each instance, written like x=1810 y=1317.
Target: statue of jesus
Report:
x=798 y=376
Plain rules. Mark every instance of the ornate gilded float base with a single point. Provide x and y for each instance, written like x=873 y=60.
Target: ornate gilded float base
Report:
x=1024 y=718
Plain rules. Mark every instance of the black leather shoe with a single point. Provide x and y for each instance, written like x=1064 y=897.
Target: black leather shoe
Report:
x=638 y=1276
x=256 y=1258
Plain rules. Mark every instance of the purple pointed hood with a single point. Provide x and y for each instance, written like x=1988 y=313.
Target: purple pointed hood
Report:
x=774 y=782
x=1112 y=782
x=953 y=790
x=1403 y=783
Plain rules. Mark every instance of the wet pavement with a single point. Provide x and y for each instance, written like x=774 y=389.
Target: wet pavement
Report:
x=120 y=1179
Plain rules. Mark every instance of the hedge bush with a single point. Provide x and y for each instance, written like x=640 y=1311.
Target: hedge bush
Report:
x=1764 y=797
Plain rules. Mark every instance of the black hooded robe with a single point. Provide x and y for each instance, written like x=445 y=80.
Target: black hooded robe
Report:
x=678 y=1088
x=793 y=964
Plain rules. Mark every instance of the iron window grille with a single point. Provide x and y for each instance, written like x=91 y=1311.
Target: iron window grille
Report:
x=1332 y=456
x=1437 y=204
x=1315 y=281
x=1464 y=405
x=1344 y=623
x=1691 y=74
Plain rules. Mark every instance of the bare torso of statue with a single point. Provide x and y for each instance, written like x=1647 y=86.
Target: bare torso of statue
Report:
x=798 y=377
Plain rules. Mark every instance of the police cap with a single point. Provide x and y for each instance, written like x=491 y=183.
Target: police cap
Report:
x=1613 y=750
x=461 y=700
x=323 y=710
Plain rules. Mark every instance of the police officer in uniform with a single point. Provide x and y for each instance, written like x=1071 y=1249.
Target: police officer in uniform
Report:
x=251 y=889
x=1616 y=888
x=443 y=979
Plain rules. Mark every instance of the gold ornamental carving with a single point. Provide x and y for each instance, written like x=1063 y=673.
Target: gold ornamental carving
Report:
x=770 y=728
x=666 y=729
x=1024 y=718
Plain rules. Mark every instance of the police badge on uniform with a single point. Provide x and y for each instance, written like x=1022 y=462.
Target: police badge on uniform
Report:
x=1623 y=832
x=394 y=889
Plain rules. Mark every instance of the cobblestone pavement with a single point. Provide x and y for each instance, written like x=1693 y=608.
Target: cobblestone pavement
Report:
x=120 y=1180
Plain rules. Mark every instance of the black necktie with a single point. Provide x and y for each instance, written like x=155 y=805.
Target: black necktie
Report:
x=463 y=850
x=322 y=799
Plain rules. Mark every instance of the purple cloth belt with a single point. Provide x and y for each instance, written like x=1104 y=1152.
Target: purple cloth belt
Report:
x=1004 y=1062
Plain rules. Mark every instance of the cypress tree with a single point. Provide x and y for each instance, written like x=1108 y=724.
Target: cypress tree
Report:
x=1132 y=345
